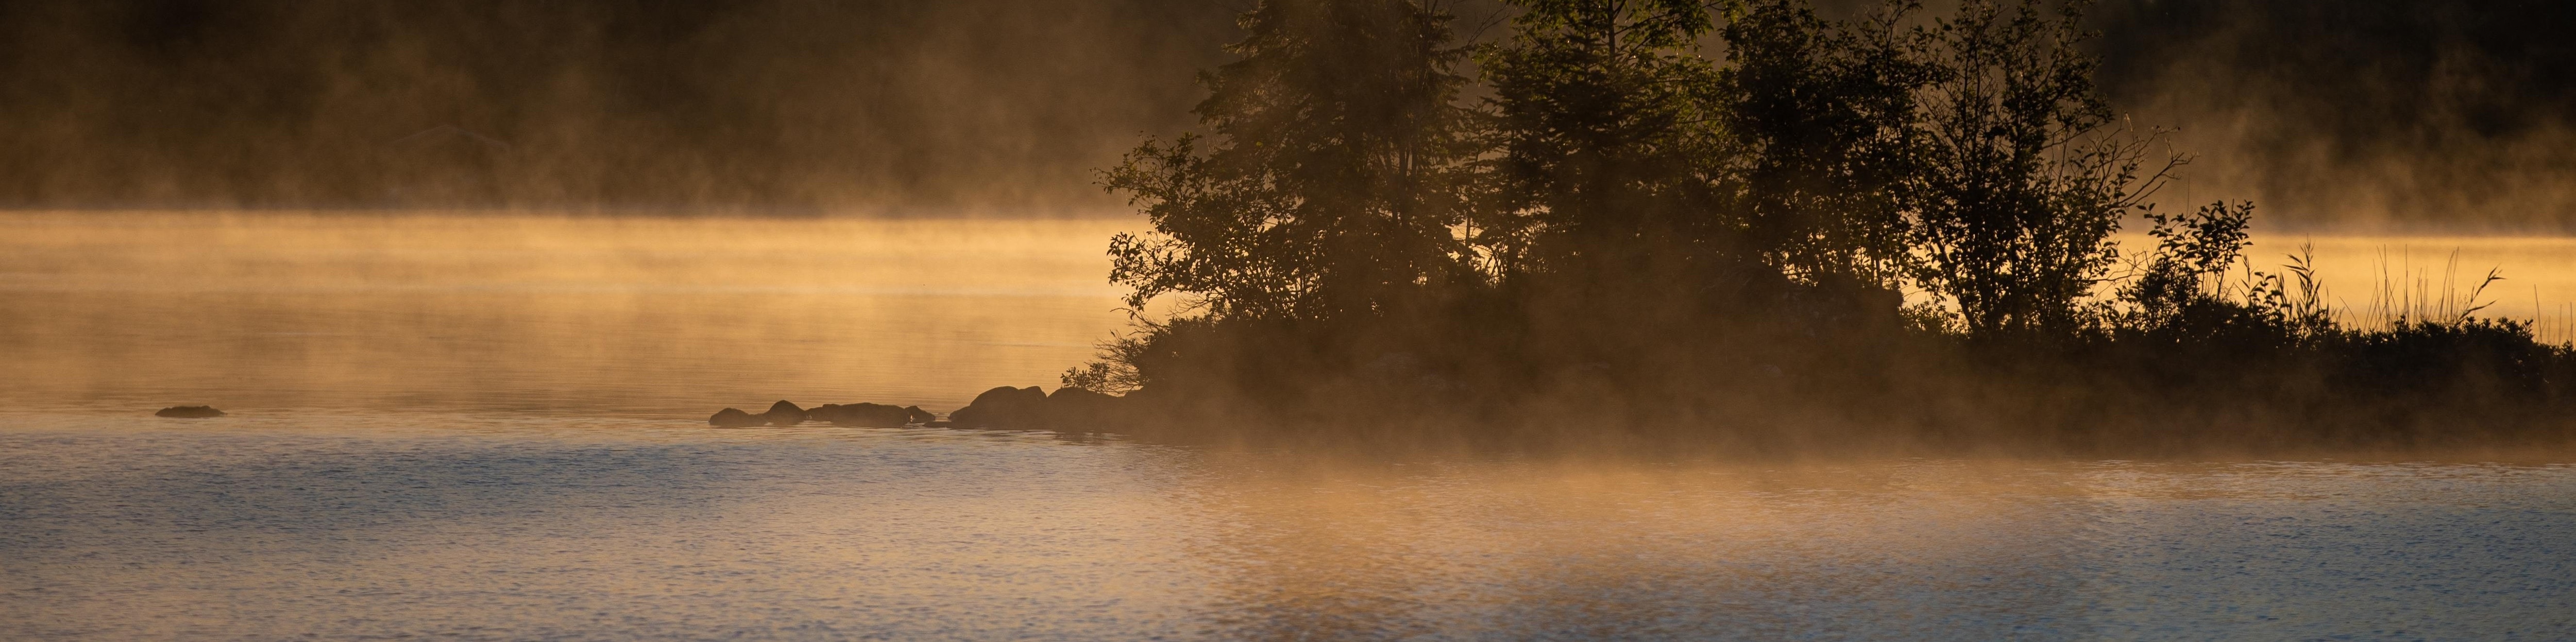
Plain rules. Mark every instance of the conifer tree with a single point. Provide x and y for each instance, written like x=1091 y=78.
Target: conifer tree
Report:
x=1604 y=154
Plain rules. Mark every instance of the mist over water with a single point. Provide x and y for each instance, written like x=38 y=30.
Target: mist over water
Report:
x=534 y=312
x=488 y=426
x=672 y=317
x=2372 y=115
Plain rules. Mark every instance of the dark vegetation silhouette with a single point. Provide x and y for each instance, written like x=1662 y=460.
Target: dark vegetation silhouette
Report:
x=1898 y=230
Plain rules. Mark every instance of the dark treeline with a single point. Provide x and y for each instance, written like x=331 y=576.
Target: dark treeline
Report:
x=875 y=104
x=2332 y=112
x=1893 y=229
x=2440 y=115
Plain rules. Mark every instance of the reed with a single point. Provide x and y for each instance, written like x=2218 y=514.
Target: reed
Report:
x=2405 y=293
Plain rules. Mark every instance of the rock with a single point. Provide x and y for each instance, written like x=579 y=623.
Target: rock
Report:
x=189 y=412
x=735 y=418
x=869 y=415
x=1078 y=410
x=784 y=414
x=1003 y=407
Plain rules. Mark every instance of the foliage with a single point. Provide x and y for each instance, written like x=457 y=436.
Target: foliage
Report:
x=1331 y=183
x=1604 y=152
x=1823 y=116
x=1886 y=215
x=2022 y=183
x=2189 y=263
x=1116 y=372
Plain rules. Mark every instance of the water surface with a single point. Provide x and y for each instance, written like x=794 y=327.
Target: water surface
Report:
x=513 y=528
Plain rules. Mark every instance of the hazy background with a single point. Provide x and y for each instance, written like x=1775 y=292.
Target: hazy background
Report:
x=2357 y=114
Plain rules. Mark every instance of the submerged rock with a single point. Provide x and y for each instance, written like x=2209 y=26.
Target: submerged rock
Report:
x=735 y=418
x=868 y=415
x=189 y=412
x=784 y=414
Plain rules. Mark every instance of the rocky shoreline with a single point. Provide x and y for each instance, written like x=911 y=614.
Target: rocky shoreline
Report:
x=1005 y=407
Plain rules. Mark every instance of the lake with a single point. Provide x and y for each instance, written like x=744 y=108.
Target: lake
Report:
x=492 y=426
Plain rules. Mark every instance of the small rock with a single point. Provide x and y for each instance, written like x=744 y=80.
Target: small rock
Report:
x=189 y=412
x=735 y=418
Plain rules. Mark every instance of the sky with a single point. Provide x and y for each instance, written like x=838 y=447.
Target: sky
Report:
x=2328 y=113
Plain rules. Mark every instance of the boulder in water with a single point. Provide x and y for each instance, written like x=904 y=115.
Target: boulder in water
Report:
x=784 y=414
x=1078 y=410
x=189 y=412
x=1003 y=407
x=916 y=415
x=735 y=418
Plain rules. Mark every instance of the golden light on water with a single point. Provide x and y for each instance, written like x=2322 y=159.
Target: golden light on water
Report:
x=636 y=314
x=679 y=315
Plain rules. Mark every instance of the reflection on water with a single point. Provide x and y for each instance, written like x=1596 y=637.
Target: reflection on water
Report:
x=488 y=427
x=508 y=528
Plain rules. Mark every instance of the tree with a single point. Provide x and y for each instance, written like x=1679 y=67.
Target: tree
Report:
x=1821 y=113
x=1605 y=155
x=2021 y=180
x=1331 y=184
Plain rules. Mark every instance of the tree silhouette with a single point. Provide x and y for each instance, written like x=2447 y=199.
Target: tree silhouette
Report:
x=1605 y=160
x=2021 y=180
x=1331 y=183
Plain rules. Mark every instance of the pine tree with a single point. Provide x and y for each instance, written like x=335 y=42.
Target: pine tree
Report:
x=1606 y=159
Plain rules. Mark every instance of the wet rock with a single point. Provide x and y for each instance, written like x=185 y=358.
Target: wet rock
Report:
x=1003 y=407
x=735 y=418
x=189 y=412
x=918 y=416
